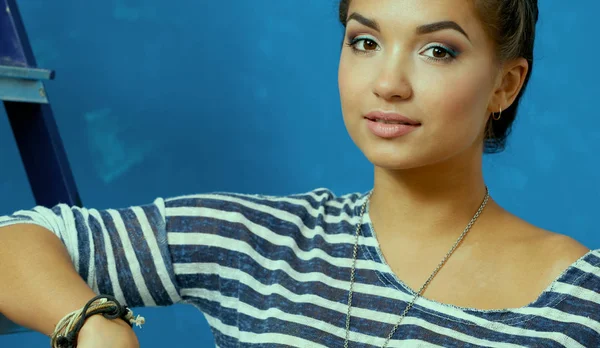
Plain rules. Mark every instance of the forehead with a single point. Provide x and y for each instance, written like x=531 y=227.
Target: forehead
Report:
x=403 y=14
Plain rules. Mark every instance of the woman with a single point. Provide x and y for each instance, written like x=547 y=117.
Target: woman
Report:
x=426 y=88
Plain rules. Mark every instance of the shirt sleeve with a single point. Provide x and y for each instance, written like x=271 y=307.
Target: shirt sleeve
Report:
x=119 y=252
x=194 y=249
x=213 y=239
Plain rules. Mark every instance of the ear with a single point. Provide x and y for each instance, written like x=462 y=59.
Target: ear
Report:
x=510 y=82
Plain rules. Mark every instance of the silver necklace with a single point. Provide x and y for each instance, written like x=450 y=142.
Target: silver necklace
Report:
x=420 y=292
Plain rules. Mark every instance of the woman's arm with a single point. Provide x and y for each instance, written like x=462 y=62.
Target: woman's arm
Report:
x=53 y=261
x=39 y=286
x=39 y=283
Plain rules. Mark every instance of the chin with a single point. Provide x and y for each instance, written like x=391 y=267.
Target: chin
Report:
x=405 y=157
x=400 y=159
x=413 y=150
x=395 y=164
x=408 y=154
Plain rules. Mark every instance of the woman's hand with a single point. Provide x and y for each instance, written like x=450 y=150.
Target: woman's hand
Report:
x=99 y=332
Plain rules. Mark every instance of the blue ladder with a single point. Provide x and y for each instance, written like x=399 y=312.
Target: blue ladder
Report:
x=26 y=102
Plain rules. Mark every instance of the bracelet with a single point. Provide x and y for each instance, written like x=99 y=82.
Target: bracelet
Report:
x=67 y=330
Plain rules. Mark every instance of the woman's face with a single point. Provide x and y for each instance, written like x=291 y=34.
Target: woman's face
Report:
x=416 y=81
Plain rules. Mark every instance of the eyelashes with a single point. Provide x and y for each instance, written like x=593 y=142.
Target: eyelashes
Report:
x=356 y=42
x=438 y=50
x=435 y=52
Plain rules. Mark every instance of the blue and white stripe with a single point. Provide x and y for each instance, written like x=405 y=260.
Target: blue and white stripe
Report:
x=274 y=271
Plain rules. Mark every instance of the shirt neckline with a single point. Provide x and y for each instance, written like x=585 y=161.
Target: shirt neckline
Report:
x=547 y=298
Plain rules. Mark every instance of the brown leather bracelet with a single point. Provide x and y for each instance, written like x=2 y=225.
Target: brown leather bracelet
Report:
x=110 y=309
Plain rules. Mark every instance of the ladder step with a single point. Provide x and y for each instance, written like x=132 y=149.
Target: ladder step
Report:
x=21 y=90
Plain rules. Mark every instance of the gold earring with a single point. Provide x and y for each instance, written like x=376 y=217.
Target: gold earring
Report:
x=499 y=115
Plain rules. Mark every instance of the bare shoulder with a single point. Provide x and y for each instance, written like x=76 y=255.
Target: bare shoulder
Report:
x=548 y=252
x=534 y=240
x=554 y=252
x=562 y=250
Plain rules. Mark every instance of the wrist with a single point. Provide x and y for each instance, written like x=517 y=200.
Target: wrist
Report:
x=102 y=313
x=97 y=323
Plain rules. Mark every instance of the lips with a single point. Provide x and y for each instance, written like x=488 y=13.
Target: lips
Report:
x=390 y=121
x=390 y=125
x=390 y=118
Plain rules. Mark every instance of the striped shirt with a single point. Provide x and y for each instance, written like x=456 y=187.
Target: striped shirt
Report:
x=274 y=271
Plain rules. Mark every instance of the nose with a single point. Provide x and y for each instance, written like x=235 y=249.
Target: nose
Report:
x=392 y=82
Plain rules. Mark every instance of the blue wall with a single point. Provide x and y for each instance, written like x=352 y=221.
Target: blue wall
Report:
x=155 y=100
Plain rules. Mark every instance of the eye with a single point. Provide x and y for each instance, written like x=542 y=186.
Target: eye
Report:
x=439 y=53
x=364 y=44
x=367 y=45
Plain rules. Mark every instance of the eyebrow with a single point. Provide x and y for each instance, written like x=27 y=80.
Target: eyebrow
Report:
x=422 y=29
x=363 y=20
x=433 y=27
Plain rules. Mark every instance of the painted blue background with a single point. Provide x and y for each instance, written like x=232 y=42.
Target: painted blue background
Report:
x=154 y=99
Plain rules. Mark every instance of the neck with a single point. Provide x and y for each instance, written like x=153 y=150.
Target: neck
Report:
x=434 y=200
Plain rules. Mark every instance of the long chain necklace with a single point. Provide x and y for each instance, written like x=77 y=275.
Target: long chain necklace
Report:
x=420 y=292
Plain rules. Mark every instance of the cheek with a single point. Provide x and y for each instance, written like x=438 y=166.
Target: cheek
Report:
x=348 y=82
x=351 y=86
x=461 y=98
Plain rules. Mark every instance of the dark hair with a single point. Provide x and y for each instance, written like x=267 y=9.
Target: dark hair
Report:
x=511 y=24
